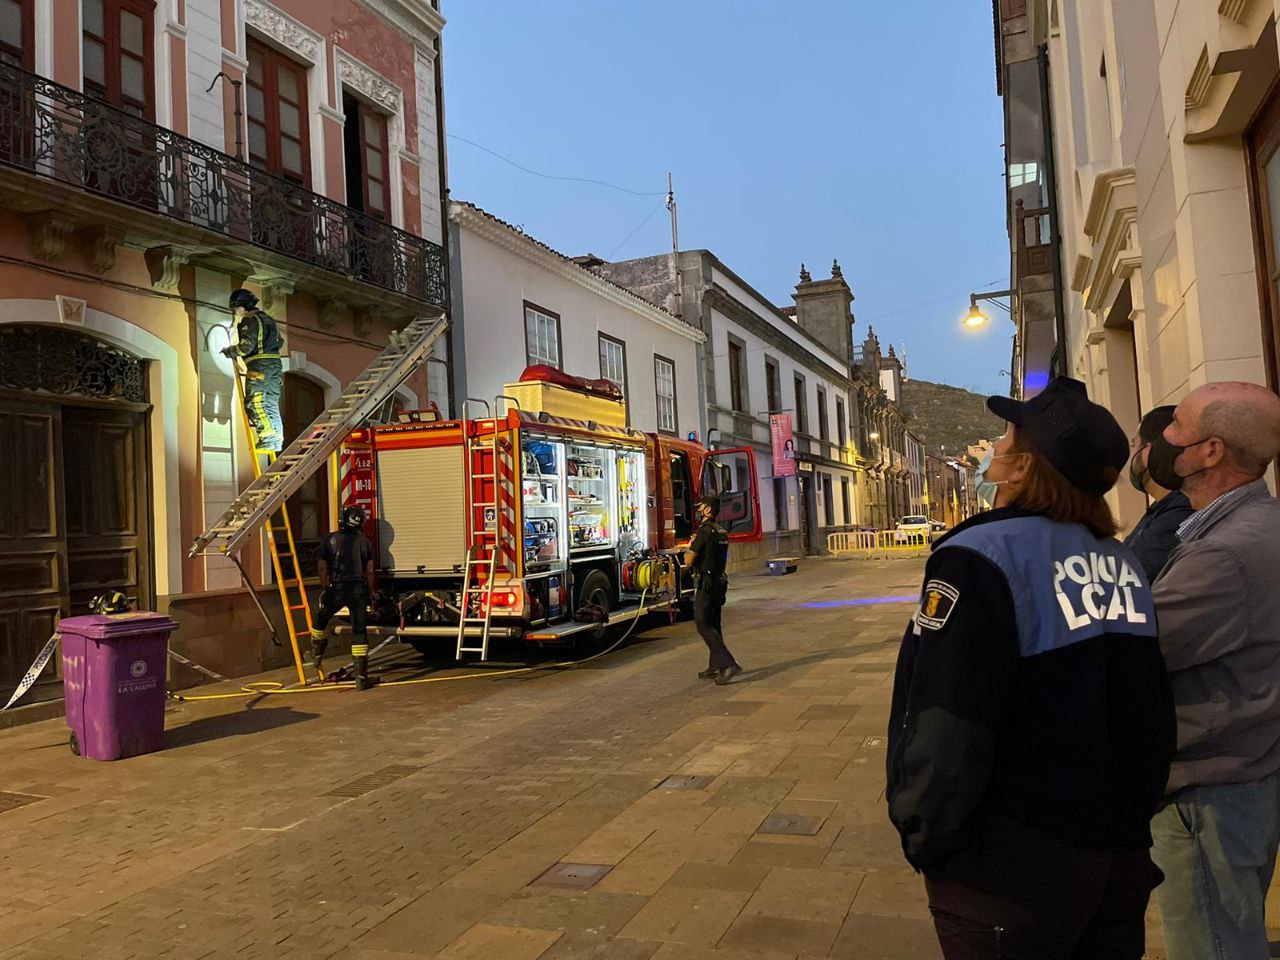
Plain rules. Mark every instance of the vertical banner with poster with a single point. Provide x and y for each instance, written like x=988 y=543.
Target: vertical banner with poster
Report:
x=784 y=445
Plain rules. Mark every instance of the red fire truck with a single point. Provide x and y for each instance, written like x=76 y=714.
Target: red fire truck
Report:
x=537 y=517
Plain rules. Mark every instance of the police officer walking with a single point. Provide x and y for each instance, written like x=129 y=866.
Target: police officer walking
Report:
x=1032 y=724
x=706 y=557
x=347 y=578
x=259 y=346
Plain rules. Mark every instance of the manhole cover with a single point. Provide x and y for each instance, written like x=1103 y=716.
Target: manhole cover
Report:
x=682 y=782
x=574 y=876
x=792 y=824
x=12 y=801
x=372 y=781
x=875 y=742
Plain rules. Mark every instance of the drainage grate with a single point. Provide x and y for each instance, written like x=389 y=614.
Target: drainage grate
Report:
x=791 y=824
x=12 y=801
x=875 y=742
x=573 y=876
x=372 y=781
x=683 y=782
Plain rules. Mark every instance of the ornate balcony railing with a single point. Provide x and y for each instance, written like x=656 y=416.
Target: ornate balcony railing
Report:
x=59 y=134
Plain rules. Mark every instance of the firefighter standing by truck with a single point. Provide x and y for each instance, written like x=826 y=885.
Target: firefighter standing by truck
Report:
x=259 y=346
x=706 y=557
x=347 y=578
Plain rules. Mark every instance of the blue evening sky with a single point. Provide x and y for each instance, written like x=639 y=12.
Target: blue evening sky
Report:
x=797 y=131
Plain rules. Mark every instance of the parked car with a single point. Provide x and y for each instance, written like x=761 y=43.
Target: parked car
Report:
x=913 y=526
x=938 y=528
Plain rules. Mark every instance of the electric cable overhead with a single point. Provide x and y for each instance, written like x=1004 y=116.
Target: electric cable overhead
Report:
x=551 y=176
x=635 y=231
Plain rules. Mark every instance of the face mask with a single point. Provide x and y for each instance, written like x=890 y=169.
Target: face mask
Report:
x=1161 y=459
x=1138 y=477
x=987 y=489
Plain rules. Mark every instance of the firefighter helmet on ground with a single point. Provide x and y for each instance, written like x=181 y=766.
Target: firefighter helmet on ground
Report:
x=352 y=518
x=242 y=298
x=112 y=601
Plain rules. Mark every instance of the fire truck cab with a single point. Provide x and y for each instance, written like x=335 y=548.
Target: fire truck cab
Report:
x=540 y=519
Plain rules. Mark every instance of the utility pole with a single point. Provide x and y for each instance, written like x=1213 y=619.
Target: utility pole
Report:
x=675 y=248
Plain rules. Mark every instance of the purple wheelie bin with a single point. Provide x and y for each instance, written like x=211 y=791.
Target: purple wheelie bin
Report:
x=113 y=677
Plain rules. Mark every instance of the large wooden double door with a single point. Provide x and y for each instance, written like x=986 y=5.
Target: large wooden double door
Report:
x=73 y=522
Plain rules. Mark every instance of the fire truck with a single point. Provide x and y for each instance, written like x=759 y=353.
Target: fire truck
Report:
x=537 y=517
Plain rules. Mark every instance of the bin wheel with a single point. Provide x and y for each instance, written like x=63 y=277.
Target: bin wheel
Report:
x=74 y=744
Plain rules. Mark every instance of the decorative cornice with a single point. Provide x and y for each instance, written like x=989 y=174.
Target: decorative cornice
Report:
x=175 y=29
x=281 y=28
x=232 y=59
x=335 y=115
x=1234 y=10
x=1105 y=188
x=1198 y=85
x=525 y=246
x=408 y=156
x=363 y=79
x=1080 y=275
x=417 y=18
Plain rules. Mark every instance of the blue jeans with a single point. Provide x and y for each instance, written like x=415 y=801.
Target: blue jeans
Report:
x=1217 y=847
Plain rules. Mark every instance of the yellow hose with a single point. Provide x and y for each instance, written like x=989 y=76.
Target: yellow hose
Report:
x=274 y=688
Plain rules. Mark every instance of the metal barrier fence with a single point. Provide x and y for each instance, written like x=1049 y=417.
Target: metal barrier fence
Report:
x=877 y=543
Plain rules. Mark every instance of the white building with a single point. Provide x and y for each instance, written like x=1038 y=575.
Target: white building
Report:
x=759 y=360
x=517 y=302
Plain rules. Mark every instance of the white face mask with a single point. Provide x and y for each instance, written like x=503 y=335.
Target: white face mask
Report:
x=987 y=489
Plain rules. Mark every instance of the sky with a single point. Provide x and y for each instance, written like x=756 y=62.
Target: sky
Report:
x=796 y=132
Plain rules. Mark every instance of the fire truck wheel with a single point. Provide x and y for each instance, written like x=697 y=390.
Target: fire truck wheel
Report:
x=598 y=590
x=423 y=646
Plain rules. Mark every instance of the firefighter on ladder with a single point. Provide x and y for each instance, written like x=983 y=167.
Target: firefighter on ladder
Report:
x=347 y=579
x=259 y=346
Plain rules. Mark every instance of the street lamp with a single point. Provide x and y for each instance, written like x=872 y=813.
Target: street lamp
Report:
x=975 y=319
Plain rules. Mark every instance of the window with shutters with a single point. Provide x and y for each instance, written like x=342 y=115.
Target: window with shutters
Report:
x=368 y=165
x=17 y=33
x=118 y=40
x=737 y=377
x=276 y=107
x=664 y=377
x=542 y=336
x=802 y=418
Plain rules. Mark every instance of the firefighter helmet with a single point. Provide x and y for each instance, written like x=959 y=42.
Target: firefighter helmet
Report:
x=111 y=602
x=352 y=518
x=242 y=298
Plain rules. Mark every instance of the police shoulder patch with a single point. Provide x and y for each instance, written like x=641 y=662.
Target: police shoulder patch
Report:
x=936 y=603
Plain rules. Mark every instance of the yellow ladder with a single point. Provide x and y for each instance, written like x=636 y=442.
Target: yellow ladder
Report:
x=284 y=556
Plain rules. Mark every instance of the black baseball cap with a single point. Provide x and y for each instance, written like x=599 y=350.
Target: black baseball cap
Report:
x=1077 y=436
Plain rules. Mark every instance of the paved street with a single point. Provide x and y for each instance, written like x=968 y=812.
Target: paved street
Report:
x=417 y=821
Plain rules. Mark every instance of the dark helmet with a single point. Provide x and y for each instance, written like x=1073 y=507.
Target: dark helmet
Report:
x=352 y=518
x=712 y=503
x=112 y=601
x=243 y=298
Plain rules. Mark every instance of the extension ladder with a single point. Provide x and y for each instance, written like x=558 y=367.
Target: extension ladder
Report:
x=284 y=553
x=308 y=453
x=489 y=470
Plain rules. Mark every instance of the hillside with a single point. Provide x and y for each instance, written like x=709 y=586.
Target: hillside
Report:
x=950 y=417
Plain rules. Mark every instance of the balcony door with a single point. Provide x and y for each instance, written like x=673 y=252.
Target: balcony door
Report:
x=373 y=256
x=1264 y=162
x=17 y=33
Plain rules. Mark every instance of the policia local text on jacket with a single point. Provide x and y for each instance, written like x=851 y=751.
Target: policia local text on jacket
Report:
x=1029 y=690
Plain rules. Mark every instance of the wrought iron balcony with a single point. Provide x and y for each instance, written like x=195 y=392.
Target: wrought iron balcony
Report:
x=58 y=134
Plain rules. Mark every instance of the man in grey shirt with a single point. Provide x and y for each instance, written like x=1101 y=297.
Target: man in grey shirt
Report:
x=1218 y=607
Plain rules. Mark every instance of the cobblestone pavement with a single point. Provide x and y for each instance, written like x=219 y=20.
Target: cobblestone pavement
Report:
x=417 y=821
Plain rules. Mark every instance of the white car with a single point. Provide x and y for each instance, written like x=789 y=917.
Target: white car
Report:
x=913 y=526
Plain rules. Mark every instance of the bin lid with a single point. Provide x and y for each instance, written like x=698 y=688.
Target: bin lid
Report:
x=108 y=626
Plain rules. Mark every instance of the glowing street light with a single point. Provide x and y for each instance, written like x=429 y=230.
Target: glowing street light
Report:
x=975 y=319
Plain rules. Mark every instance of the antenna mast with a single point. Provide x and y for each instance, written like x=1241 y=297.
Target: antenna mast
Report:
x=675 y=248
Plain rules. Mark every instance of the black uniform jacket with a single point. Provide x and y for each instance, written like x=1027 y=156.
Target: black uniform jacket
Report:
x=1029 y=684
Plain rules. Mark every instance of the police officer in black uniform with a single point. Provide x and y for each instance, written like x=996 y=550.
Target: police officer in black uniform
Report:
x=706 y=557
x=259 y=346
x=346 y=574
x=1032 y=723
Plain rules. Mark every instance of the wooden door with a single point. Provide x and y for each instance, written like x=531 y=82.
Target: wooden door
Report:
x=33 y=559
x=105 y=480
x=302 y=402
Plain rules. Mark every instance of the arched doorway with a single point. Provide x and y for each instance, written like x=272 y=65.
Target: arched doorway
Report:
x=75 y=512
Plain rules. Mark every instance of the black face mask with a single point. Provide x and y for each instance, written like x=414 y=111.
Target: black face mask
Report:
x=1138 y=478
x=1161 y=459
